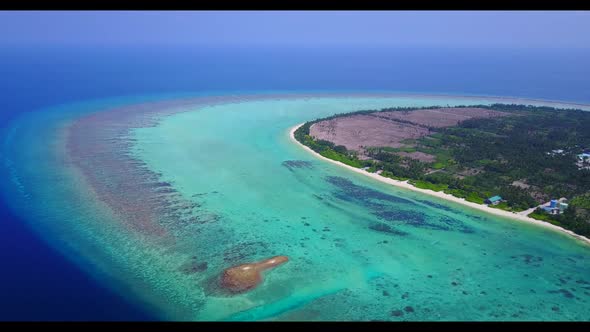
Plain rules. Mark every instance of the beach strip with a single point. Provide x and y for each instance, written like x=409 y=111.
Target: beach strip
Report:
x=449 y=197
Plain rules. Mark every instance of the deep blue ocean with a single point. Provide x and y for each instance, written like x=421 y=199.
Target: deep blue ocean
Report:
x=37 y=283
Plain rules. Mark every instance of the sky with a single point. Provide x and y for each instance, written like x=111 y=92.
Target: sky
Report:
x=543 y=29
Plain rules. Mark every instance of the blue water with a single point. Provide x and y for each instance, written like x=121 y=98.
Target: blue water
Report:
x=37 y=283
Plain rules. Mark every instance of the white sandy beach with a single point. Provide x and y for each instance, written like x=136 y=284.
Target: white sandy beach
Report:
x=406 y=185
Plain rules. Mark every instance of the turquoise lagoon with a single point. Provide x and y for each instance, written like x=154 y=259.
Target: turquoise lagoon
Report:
x=359 y=249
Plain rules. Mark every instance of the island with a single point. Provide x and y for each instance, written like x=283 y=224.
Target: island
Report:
x=521 y=161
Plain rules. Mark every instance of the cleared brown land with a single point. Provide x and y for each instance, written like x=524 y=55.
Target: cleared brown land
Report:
x=521 y=184
x=357 y=131
x=443 y=117
x=385 y=129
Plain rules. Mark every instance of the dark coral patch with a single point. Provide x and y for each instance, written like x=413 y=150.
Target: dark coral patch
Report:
x=386 y=229
x=397 y=313
x=294 y=164
x=528 y=259
x=408 y=217
x=435 y=205
x=563 y=291
x=318 y=197
x=244 y=251
x=391 y=209
x=350 y=192
x=193 y=267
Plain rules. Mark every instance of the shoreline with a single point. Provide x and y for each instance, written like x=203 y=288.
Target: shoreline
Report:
x=442 y=195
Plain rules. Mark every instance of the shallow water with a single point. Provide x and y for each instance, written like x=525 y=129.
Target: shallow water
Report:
x=359 y=249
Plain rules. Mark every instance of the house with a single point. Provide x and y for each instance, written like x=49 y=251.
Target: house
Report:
x=556 y=152
x=495 y=200
x=555 y=206
x=584 y=160
x=562 y=207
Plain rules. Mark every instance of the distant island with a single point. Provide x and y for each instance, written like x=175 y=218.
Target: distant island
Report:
x=527 y=160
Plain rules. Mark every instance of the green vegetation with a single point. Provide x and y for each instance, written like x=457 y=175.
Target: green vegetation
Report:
x=480 y=158
x=428 y=185
x=539 y=214
x=581 y=202
x=343 y=158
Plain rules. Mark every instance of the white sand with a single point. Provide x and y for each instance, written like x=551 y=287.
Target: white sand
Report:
x=406 y=185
